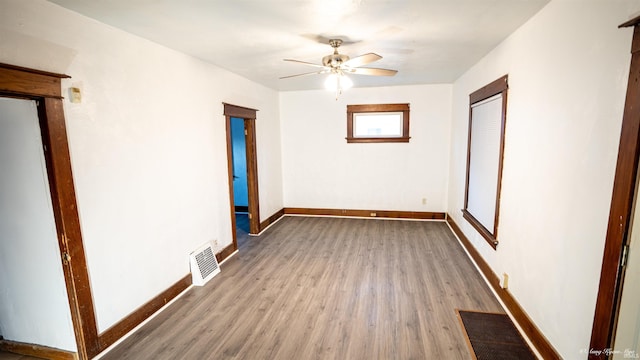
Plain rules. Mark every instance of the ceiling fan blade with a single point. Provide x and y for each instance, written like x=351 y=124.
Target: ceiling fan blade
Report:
x=304 y=62
x=307 y=73
x=372 y=71
x=362 y=60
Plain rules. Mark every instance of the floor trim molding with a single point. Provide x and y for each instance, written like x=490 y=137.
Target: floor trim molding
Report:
x=271 y=219
x=225 y=253
x=36 y=350
x=122 y=327
x=542 y=345
x=391 y=214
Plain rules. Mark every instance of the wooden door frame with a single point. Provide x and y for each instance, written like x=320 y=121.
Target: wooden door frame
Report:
x=624 y=188
x=249 y=116
x=45 y=89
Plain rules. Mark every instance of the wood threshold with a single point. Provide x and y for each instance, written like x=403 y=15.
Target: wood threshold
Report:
x=391 y=214
x=40 y=351
x=539 y=341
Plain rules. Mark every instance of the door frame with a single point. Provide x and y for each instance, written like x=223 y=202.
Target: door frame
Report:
x=45 y=88
x=249 y=116
x=624 y=191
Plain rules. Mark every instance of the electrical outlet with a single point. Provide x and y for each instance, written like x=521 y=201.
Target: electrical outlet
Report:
x=373 y=214
x=424 y=201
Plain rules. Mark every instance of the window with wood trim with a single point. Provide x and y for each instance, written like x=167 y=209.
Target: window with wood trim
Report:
x=487 y=117
x=373 y=123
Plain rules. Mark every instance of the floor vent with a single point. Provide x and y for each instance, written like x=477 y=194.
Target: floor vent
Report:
x=204 y=265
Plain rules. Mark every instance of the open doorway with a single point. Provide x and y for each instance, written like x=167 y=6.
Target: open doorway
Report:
x=243 y=172
x=240 y=185
x=40 y=92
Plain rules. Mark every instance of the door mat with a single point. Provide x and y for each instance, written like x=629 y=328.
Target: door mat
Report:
x=493 y=336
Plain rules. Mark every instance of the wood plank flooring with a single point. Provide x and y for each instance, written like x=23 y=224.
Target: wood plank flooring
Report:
x=326 y=288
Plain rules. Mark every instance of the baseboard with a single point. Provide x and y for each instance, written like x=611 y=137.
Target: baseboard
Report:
x=390 y=214
x=226 y=252
x=124 y=326
x=39 y=351
x=121 y=328
x=271 y=219
x=542 y=345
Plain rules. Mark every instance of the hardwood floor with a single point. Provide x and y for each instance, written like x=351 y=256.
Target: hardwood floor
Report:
x=242 y=228
x=326 y=288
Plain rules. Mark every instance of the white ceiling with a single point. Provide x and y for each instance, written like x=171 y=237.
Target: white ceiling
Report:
x=427 y=41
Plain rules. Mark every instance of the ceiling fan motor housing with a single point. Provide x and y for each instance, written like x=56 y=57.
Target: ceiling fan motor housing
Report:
x=334 y=60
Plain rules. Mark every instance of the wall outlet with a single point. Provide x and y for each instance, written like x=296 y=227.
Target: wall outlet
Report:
x=215 y=243
x=504 y=281
x=424 y=201
x=374 y=214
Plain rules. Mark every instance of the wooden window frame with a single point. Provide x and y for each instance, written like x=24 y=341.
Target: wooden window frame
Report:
x=499 y=86
x=378 y=108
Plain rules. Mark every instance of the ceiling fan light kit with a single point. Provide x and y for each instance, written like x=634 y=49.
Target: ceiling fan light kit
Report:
x=338 y=65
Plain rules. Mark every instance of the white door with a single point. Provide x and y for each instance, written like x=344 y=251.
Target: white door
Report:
x=627 y=340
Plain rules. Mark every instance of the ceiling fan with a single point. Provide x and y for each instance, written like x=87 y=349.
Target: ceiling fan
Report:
x=340 y=64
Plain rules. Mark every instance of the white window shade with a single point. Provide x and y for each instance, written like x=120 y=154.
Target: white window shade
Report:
x=484 y=160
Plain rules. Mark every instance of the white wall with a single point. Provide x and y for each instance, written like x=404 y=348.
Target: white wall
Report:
x=33 y=298
x=321 y=170
x=568 y=68
x=148 y=147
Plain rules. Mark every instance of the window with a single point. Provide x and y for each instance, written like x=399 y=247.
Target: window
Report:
x=487 y=117
x=378 y=123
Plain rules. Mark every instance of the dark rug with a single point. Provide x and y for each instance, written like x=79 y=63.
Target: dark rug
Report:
x=494 y=337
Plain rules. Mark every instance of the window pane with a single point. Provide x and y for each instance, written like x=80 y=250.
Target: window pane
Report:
x=386 y=124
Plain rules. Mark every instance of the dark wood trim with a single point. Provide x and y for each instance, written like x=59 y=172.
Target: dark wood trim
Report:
x=498 y=86
x=378 y=140
x=624 y=187
x=241 y=209
x=391 y=214
x=232 y=213
x=45 y=88
x=378 y=108
x=493 y=88
x=404 y=108
x=226 y=252
x=122 y=327
x=34 y=71
x=68 y=225
x=15 y=81
x=271 y=219
x=252 y=176
x=239 y=111
x=632 y=22
x=34 y=350
x=539 y=341
x=486 y=234
x=249 y=116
